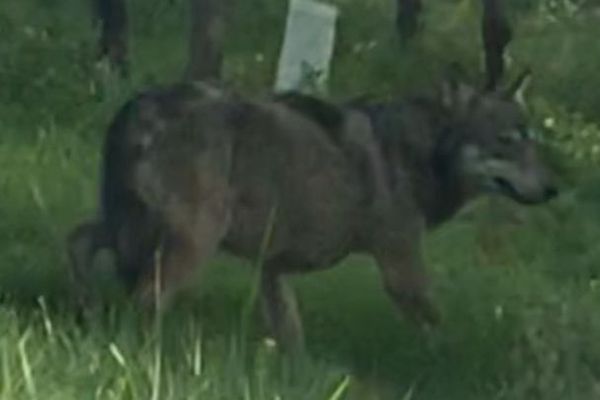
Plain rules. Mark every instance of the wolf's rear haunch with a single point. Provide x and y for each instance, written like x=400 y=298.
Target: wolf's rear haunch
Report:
x=190 y=168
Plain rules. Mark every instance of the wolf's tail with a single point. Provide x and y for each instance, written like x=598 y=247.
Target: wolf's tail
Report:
x=130 y=226
x=119 y=201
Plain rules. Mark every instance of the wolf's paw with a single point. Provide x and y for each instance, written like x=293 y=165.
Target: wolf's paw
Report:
x=419 y=309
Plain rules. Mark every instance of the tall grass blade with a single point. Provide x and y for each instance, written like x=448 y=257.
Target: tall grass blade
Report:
x=258 y=269
x=26 y=366
x=341 y=389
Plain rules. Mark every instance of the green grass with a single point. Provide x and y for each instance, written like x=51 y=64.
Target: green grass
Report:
x=519 y=299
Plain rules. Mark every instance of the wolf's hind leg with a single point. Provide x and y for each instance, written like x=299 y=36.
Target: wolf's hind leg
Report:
x=188 y=240
x=83 y=243
x=280 y=309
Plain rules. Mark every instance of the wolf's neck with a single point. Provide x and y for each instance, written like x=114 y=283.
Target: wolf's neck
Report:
x=448 y=194
x=442 y=200
x=410 y=135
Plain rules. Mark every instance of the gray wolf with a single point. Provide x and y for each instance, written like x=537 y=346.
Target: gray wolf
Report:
x=191 y=168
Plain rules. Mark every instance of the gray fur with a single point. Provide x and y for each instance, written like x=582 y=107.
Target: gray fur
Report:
x=191 y=169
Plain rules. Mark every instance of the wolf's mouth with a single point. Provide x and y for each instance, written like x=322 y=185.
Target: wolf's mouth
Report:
x=505 y=187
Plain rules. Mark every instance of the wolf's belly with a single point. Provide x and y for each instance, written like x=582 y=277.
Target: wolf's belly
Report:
x=307 y=232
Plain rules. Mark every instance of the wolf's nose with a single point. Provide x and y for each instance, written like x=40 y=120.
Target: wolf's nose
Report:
x=551 y=192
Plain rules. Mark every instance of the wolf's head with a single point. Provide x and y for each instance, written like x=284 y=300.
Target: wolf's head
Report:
x=494 y=145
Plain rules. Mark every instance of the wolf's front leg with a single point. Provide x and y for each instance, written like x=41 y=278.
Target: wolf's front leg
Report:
x=399 y=258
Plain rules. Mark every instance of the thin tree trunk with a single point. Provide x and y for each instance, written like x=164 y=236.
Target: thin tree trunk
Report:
x=497 y=35
x=207 y=35
x=408 y=14
x=112 y=15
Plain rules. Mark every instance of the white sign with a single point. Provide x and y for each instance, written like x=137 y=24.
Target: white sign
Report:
x=307 y=47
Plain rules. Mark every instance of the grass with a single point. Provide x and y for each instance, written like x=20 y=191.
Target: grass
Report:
x=519 y=298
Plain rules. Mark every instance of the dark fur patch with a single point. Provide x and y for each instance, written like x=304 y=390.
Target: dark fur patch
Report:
x=327 y=115
x=116 y=159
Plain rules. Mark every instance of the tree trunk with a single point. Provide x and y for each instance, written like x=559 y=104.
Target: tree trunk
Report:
x=112 y=15
x=207 y=35
x=497 y=35
x=408 y=13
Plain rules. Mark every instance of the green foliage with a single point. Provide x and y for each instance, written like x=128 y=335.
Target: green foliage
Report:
x=121 y=360
x=570 y=133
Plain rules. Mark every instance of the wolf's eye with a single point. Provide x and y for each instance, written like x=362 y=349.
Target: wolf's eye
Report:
x=525 y=132
x=528 y=134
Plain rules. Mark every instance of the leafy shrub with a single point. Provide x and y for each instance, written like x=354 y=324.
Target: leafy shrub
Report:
x=569 y=133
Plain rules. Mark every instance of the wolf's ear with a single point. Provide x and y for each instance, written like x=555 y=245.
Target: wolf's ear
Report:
x=456 y=95
x=516 y=91
x=452 y=77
